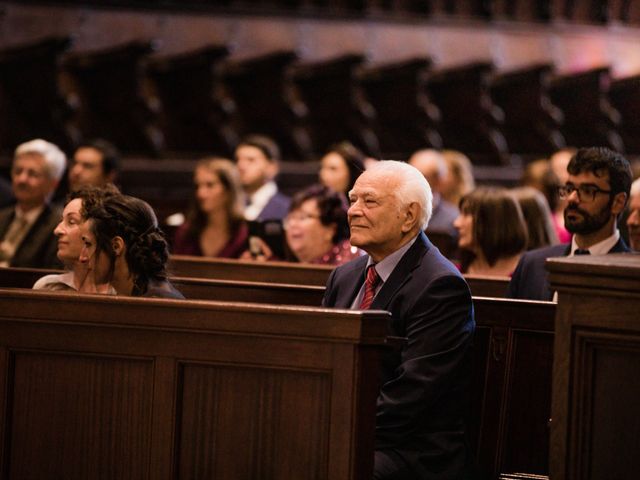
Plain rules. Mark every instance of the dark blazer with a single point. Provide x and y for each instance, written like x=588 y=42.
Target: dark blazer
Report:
x=40 y=245
x=424 y=388
x=530 y=279
x=276 y=209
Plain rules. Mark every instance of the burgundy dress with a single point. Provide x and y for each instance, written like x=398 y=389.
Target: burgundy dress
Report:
x=184 y=244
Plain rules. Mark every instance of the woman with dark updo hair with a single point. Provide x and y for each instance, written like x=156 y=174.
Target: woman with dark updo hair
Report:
x=130 y=250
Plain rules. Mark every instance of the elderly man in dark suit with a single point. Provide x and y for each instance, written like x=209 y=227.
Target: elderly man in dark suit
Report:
x=26 y=229
x=596 y=191
x=419 y=425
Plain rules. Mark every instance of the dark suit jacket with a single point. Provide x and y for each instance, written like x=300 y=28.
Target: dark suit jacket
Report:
x=530 y=279
x=40 y=245
x=276 y=209
x=425 y=385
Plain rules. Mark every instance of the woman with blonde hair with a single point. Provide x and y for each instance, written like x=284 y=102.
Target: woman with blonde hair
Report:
x=215 y=225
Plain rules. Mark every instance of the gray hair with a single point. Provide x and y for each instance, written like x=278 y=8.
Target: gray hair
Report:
x=54 y=158
x=635 y=187
x=411 y=186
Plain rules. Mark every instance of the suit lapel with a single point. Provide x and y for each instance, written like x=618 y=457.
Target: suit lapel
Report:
x=353 y=278
x=5 y=220
x=402 y=273
x=619 y=247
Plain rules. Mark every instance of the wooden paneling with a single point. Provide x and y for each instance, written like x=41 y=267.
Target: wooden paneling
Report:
x=595 y=377
x=223 y=406
x=149 y=388
x=511 y=387
x=280 y=272
x=96 y=411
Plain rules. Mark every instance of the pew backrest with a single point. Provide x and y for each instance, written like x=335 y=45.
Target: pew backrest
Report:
x=95 y=386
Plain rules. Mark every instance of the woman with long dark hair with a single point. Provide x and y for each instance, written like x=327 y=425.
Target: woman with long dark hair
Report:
x=215 y=225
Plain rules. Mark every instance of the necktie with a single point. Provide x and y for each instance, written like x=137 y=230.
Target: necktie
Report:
x=581 y=251
x=14 y=236
x=370 y=284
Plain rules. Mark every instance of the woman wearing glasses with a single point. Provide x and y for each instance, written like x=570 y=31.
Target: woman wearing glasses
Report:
x=316 y=229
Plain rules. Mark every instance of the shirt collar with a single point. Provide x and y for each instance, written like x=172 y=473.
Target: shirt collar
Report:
x=259 y=200
x=386 y=266
x=600 y=248
x=29 y=216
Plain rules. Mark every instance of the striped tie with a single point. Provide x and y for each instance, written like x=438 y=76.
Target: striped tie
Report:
x=370 y=284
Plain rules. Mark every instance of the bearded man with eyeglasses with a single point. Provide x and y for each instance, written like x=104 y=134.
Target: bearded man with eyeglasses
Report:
x=596 y=191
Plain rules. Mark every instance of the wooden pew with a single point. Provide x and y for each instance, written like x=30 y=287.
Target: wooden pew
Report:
x=202 y=288
x=470 y=121
x=487 y=286
x=109 y=85
x=511 y=387
x=596 y=386
x=530 y=120
x=32 y=102
x=511 y=368
x=270 y=287
x=278 y=272
x=589 y=118
x=405 y=118
x=98 y=386
x=192 y=117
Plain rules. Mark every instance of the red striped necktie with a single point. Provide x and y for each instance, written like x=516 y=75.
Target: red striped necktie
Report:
x=370 y=284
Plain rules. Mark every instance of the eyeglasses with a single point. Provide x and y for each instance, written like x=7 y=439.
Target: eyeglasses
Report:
x=297 y=217
x=586 y=192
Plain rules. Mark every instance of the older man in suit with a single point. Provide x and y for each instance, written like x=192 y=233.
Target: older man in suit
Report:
x=596 y=192
x=26 y=229
x=419 y=425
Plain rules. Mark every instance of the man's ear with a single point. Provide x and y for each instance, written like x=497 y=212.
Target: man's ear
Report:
x=118 y=246
x=273 y=169
x=618 y=203
x=410 y=217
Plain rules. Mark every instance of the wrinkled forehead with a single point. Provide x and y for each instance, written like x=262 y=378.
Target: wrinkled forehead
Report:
x=31 y=160
x=375 y=183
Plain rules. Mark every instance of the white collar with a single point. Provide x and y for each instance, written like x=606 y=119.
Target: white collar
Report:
x=600 y=248
x=259 y=200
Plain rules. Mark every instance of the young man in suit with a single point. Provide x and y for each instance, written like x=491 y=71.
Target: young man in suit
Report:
x=26 y=229
x=596 y=192
x=419 y=423
x=257 y=158
x=95 y=163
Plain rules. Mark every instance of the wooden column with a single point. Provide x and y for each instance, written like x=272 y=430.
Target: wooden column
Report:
x=596 y=385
